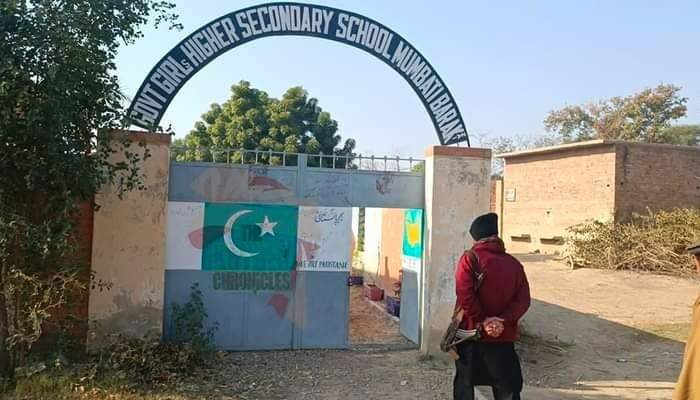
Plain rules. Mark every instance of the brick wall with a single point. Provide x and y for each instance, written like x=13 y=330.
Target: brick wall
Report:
x=554 y=190
x=78 y=309
x=656 y=177
x=492 y=206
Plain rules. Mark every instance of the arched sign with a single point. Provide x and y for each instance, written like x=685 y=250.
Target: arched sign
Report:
x=282 y=19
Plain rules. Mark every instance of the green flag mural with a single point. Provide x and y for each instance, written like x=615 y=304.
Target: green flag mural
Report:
x=249 y=237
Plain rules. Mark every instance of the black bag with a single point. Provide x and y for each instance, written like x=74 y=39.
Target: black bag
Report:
x=449 y=338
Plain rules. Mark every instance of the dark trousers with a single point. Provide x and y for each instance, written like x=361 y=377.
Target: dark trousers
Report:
x=490 y=364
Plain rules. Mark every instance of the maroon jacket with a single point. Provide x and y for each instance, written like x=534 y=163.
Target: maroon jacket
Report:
x=504 y=291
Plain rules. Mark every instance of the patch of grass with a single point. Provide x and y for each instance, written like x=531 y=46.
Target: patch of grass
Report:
x=43 y=386
x=66 y=385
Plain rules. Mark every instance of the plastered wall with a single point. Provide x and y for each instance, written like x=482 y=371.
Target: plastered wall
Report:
x=128 y=250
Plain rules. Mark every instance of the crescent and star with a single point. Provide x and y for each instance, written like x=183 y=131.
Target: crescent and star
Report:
x=266 y=227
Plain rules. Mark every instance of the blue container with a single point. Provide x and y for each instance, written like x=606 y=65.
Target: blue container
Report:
x=393 y=305
x=355 y=281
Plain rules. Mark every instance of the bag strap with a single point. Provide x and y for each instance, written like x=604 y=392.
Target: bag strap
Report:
x=477 y=275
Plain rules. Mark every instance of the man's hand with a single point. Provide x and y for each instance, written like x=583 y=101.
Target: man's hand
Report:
x=493 y=326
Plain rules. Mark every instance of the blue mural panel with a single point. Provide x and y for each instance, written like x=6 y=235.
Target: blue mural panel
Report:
x=248 y=319
x=232 y=183
x=322 y=187
x=324 y=301
x=410 y=306
x=269 y=324
x=387 y=189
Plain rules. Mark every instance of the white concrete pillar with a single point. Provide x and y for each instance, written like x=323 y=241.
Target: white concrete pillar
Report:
x=456 y=191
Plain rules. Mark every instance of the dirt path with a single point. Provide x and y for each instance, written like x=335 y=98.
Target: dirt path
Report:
x=590 y=335
x=374 y=370
x=371 y=325
x=331 y=375
x=602 y=334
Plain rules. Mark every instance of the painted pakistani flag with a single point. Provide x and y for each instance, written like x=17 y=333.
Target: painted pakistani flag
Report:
x=249 y=237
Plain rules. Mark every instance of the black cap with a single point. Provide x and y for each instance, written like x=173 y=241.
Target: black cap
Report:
x=694 y=248
x=484 y=226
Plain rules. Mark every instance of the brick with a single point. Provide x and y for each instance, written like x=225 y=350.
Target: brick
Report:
x=562 y=187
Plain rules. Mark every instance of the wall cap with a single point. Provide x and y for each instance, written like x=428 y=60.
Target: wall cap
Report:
x=451 y=151
x=591 y=144
x=148 y=137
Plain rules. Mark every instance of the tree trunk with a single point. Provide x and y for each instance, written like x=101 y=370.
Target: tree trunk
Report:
x=5 y=360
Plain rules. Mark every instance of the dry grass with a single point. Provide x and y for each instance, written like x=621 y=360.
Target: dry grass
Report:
x=654 y=243
x=67 y=385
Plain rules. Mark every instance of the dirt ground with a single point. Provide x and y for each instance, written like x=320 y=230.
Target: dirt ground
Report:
x=589 y=335
x=594 y=334
x=380 y=366
x=369 y=325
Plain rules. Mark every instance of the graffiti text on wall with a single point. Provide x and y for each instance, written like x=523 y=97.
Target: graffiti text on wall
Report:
x=252 y=281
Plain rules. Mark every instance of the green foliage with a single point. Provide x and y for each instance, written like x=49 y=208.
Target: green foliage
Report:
x=642 y=117
x=684 y=135
x=418 y=167
x=654 y=242
x=250 y=119
x=189 y=323
x=150 y=361
x=58 y=98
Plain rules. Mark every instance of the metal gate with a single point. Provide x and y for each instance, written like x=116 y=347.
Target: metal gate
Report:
x=269 y=246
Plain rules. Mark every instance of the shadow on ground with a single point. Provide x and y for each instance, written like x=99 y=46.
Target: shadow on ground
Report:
x=575 y=355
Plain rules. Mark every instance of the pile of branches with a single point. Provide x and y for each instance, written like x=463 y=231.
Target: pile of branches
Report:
x=654 y=242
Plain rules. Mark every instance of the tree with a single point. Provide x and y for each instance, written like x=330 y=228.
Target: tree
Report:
x=252 y=120
x=58 y=97
x=418 y=168
x=508 y=144
x=686 y=135
x=643 y=117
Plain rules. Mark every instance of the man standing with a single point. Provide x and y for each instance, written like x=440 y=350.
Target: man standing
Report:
x=688 y=387
x=494 y=308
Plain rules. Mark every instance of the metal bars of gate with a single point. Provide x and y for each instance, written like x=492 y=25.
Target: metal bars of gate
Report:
x=284 y=159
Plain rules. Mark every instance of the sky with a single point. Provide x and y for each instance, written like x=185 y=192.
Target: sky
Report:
x=507 y=64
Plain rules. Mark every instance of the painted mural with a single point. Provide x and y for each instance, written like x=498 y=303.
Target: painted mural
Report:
x=325 y=234
x=184 y=237
x=249 y=237
x=265 y=269
x=411 y=282
x=412 y=239
x=257 y=238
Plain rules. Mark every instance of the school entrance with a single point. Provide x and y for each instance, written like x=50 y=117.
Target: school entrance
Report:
x=271 y=247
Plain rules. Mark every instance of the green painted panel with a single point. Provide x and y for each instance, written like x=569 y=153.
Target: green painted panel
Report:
x=249 y=237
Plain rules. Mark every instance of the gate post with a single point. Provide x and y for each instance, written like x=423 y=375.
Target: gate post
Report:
x=128 y=249
x=456 y=191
